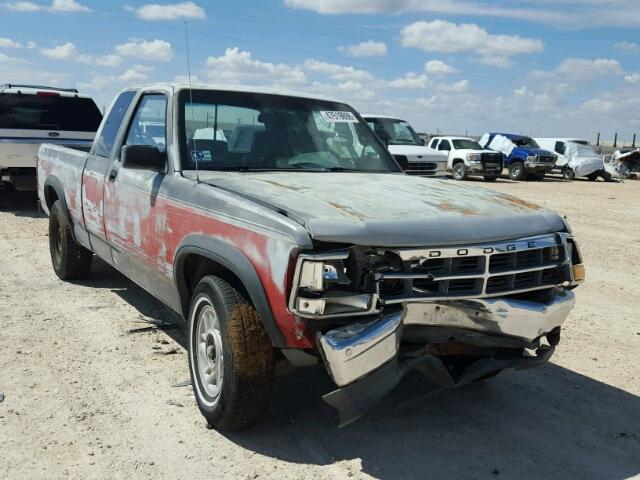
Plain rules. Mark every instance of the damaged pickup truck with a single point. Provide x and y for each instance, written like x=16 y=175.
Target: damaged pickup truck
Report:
x=275 y=242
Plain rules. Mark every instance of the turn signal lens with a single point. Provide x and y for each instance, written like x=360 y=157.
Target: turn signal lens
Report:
x=578 y=273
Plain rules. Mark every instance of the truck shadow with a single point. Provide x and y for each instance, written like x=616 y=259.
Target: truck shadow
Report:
x=548 y=422
x=21 y=204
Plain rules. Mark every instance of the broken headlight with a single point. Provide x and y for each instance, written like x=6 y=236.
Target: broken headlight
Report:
x=322 y=288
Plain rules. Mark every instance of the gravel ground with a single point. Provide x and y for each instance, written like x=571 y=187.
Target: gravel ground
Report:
x=84 y=397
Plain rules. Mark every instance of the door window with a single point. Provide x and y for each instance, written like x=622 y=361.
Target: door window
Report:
x=148 y=126
x=104 y=143
x=444 y=145
x=560 y=148
x=434 y=142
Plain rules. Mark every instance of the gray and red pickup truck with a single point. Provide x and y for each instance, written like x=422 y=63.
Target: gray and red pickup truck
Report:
x=280 y=227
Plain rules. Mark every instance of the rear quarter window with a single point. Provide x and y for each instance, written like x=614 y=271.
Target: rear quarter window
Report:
x=48 y=112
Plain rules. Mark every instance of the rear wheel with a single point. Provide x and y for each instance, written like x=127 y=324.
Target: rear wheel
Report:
x=70 y=260
x=231 y=359
x=459 y=171
x=517 y=171
x=593 y=176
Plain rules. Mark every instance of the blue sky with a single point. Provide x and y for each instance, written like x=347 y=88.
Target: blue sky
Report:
x=549 y=68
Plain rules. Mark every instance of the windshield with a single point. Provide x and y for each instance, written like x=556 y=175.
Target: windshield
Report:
x=395 y=132
x=585 y=150
x=466 y=144
x=250 y=131
x=525 y=142
x=48 y=112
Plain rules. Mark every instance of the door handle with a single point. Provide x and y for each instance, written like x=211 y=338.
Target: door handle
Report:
x=113 y=174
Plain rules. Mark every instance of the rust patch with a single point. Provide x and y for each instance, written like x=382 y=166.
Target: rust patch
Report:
x=448 y=207
x=518 y=201
x=348 y=210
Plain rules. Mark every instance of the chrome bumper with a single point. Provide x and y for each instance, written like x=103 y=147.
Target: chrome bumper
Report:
x=353 y=351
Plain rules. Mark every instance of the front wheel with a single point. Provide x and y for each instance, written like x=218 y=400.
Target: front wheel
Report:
x=69 y=260
x=568 y=173
x=517 y=171
x=459 y=171
x=231 y=359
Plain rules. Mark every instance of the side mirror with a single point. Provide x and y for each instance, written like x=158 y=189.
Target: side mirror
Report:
x=144 y=157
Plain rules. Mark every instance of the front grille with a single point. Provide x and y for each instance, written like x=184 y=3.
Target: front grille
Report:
x=491 y=161
x=546 y=159
x=478 y=271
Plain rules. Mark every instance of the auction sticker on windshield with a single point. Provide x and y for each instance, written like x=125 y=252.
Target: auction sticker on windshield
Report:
x=339 y=117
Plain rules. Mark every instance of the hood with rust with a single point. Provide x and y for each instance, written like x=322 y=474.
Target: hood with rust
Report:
x=390 y=209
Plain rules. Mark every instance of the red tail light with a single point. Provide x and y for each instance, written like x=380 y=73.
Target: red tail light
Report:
x=48 y=94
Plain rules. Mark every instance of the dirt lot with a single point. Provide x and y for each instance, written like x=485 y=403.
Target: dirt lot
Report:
x=85 y=398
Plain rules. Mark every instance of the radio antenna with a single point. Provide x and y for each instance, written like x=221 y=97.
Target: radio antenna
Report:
x=194 y=154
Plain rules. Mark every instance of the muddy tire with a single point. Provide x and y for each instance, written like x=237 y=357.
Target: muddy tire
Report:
x=70 y=261
x=517 y=171
x=231 y=359
x=459 y=171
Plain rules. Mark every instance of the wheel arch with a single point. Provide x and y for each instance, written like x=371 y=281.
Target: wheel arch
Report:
x=53 y=192
x=199 y=255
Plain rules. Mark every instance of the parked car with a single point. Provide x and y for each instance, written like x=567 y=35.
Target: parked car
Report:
x=466 y=157
x=522 y=155
x=407 y=147
x=304 y=250
x=575 y=158
x=32 y=115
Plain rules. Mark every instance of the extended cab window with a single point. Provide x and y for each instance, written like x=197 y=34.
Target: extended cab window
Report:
x=148 y=126
x=104 y=143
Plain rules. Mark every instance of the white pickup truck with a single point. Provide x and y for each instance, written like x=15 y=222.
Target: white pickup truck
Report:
x=466 y=157
x=30 y=116
x=407 y=147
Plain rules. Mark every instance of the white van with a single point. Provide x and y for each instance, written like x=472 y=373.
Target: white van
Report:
x=31 y=115
x=407 y=147
x=576 y=158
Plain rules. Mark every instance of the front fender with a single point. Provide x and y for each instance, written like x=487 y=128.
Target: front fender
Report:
x=236 y=262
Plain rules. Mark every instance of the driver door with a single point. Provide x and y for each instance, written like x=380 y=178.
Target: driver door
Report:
x=134 y=217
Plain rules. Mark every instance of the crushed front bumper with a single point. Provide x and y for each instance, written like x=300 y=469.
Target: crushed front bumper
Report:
x=363 y=358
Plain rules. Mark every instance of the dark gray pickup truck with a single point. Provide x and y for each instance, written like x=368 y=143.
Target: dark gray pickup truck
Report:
x=280 y=227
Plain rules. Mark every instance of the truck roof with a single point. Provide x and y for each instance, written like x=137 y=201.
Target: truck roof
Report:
x=231 y=88
x=563 y=139
x=35 y=89
x=369 y=115
x=453 y=137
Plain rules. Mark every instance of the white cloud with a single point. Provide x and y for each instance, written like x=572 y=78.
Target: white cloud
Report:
x=366 y=49
x=31 y=45
x=172 y=11
x=239 y=66
x=438 y=67
x=22 y=6
x=146 y=50
x=101 y=83
x=627 y=46
x=8 y=43
x=137 y=73
x=632 y=78
x=583 y=69
x=458 y=87
x=338 y=72
x=611 y=13
x=65 y=51
x=410 y=80
x=68 y=51
x=495 y=61
x=443 y=36
x=4 y=58
x=68 y=6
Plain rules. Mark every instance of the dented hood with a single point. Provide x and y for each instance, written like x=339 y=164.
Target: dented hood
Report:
x=390 y=209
